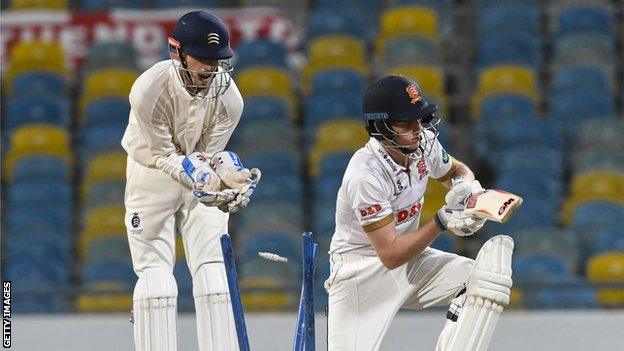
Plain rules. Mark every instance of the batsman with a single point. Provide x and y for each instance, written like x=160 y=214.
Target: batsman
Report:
x=380 y=257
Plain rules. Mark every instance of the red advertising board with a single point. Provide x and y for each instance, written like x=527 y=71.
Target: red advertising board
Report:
x=147 y=30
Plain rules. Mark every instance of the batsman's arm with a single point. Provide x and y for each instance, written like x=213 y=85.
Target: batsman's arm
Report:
x=395 y=250
x=458 y=170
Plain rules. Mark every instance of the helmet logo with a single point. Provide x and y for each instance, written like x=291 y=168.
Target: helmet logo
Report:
x=413 y=93
x=213 y=38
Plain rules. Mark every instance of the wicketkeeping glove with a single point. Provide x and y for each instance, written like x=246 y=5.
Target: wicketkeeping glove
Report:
x=230 y=170
x=243 y=195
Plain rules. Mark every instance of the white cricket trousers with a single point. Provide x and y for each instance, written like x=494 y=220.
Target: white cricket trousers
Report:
x=364 y=295
x=157 y=206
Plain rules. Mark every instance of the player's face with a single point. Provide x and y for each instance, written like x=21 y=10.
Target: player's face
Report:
x=408 y=134
x=201 y=71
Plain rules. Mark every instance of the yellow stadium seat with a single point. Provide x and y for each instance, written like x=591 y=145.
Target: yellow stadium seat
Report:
x=599 y=183
x=608 y=268
x=325 y=63
x=102 y=221
x=430 y=78
x=36 y=55
x=515 y=299
x=110 y=166
x=111 y=82
x=37 y=139
x=409 y=20
x=335 y=136
x=39 y=5
x=265 y=81
x=104 y=298
x=336 y=45
x=504 y=79
x=265 y=294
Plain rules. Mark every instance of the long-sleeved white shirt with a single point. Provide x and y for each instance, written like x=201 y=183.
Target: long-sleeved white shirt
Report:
x=167 y=123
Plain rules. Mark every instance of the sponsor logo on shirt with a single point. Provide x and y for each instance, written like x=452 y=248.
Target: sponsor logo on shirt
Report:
x=370 y=210
x=408 y=213
x=400 y=186
x=422 y=169
x=388 y=160
x=445 y=156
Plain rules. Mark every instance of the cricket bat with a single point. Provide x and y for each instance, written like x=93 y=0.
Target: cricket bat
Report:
x=493 y=204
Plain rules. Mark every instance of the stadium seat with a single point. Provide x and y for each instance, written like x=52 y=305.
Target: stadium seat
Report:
x=106 y=83
x=39 y=246
x=275 y=163
x=540 y=268
x=597 y=213
x=266 y=81
x=282 y=188
x=330 y=63
x=47 y=273
x=108 y=247
x=548 y=240
x=326 y=188
x=599 y=183
x=509 y=18
x=266 y=109
x=586 y=18
x=40 y=191
x=600 y=132
x=429 y=78
x=412 y=20
x=51 y=167
x=107 y=110
x=38 y=83
x=35 y=110
x=101 y=222
x=566 y=297
x=111 y=54
x=338 y=80
x=336 y=45
x=98 y=138
x=508 y=79
x=261 y=52
x=105 y=167
x=610 y=239
x=589 y=77
x=259 y=212
x=35 y=56
x=37 y=139
x=324 y=21
x=608 y=268
x=328 y=106
x=573 y=106
x=39 y=5
x=510 y=49
x=336 y=136
x=409 y=49
x=334 y=164
x=21 y=219
x=582 y=48
x=108 y=192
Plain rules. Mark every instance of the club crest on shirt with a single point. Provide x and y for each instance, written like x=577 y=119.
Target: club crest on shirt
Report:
x=135 y=222
x=370 y=210
x=408 y=213
x=422 y=168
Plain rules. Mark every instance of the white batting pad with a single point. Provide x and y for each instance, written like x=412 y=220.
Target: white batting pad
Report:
x=155 y=311
x=488 y=292
x=215 y=321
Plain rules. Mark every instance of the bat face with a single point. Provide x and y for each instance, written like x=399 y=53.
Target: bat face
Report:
x=493 y=204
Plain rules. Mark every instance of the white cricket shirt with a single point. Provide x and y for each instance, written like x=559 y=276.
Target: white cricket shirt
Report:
x=376 y=190
x=166 y=122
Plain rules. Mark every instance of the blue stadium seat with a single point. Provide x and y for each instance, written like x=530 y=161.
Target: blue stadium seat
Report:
x=283 y=244
x=331 y=105
x=570 y=107
x=22 y=218
x=269 y=211
x=342 y=21
x=444 y=242
x=588 y=77
x=98 y=138
x=38 y=246
x=326 y=188
x=41 y=166
x=274 y=164
x=283 y=189
x=334 y=164
x=586 y=18
x=598 y=213
x=108 y=247
x=607 y=240
x=579 y=295
x=518 y=49
x=37 y=109
x=485 y=4
x=39 y=83
x=510 y=18
x=107 y=110
x=50 y=272
x=540 y=268
x=585 y=47
x=532 y=157
x=184 y=281
x=260 y=52
x=40 y=191
x=499 y=106
x=535 y=212
x=111 y=270
x=338 y=80
x=539 y=132
x=265 y=109
x=105 y=193
x=534 y=181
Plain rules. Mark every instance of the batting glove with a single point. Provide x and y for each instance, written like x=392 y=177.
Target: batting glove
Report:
x=460 y=192
x=457 y=222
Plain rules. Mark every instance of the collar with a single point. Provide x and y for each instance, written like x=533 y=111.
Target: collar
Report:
x=398 y=173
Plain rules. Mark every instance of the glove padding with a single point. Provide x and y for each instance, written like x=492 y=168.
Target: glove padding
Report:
x=460 y=192
x=243 y=195
x=457 y=222
x=230 y=170
x=216 y=198
x=199 y=175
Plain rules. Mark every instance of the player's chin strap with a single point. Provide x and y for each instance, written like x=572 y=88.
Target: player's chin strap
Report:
x=488 y=291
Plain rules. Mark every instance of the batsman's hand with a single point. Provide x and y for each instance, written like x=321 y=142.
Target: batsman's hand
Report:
x=457 y=221
x=460 y=192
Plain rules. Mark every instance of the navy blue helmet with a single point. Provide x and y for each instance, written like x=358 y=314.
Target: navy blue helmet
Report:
x=202 y=35
x=398 y=99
